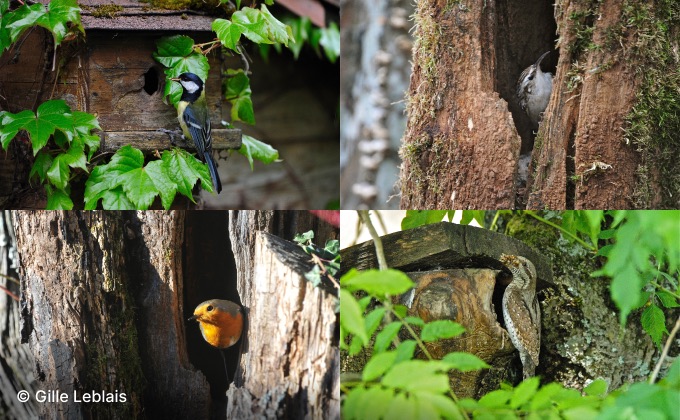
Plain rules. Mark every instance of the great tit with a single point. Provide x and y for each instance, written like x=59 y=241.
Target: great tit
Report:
x=192 y=113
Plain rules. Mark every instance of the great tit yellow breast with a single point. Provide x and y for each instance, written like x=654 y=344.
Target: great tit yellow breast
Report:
x=181 y=106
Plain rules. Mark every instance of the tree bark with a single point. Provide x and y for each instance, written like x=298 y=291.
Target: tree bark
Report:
x=290 y=363
x=16 y=360
x=609 y=136
x=375 y=69
x=107 y=295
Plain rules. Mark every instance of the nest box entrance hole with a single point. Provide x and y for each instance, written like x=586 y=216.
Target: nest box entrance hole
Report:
x=152 y=81
x=524 y=31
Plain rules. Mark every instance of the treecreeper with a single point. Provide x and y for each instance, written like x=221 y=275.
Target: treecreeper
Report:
x=533 y=90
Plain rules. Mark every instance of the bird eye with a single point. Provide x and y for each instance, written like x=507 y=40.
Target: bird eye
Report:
x=210 y=308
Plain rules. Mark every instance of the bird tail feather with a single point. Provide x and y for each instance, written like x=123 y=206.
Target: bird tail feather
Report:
x=217 y=184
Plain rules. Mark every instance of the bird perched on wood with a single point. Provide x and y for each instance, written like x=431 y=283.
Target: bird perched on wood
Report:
x=192 y=113
x=533 y=90
x=221 y=323
x=521 y=312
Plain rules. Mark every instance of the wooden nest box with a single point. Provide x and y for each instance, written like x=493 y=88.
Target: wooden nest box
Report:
x=458 y=276
x=113 y=74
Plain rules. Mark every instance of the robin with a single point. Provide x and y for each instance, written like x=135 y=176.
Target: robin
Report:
x=221 y=323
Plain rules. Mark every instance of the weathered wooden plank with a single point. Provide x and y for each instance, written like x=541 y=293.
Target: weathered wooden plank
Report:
x=155 y=140
x=445 y=246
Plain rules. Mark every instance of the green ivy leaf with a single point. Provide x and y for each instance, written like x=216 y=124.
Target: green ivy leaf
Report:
x=58 y=200
x=171 y=50
x=59 y=172
x=116 y=199
x=75 y=156
x=242 y=110
x=92 y=141
x=161 y=180
x=23 y=18
x=625 y=290
x=41 y=164
x=84 y=122
x=252 y=25
x=228 y=33
x=184 y=170
x=138 y=186
x=330 y=41
x=5 y=40
x=59 y=13
x=238 y=93
x=465 y=362
x=300 y=28
x=252 y=149
x=442 y=328
x=380 y=283
x=654 y=322
x=51 y=116
x=98 y=186
x=277 y=32
x=332 y=246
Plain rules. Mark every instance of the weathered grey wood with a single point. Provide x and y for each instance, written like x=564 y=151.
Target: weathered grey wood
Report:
x=16 y=360
x=444 y=246
x=290 y=364
x=111 y=141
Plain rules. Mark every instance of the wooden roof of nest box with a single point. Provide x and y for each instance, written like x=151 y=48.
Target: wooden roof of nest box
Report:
x=442 y=246
x=113 y=74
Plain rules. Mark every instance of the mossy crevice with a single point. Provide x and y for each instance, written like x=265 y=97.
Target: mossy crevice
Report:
x=653 y=124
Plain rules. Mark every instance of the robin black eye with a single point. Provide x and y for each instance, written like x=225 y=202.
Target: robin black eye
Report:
x=210 y=308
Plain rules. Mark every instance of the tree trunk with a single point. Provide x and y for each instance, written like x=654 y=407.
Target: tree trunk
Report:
x=295 y=375
x=16 y=360
x=375 y=69
x=107 y=295
x=609 y=136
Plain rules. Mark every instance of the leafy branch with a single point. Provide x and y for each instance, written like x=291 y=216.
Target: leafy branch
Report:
x=393 y=385
x=326 y=260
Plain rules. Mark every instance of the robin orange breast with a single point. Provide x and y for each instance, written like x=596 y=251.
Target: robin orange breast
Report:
x=221 y=322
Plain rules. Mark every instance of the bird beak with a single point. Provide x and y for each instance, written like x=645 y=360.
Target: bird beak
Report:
x=538 y=63
x=175 y=79
x=193 y=318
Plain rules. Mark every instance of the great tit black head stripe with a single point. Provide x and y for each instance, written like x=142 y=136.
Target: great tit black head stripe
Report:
x=192 y=113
